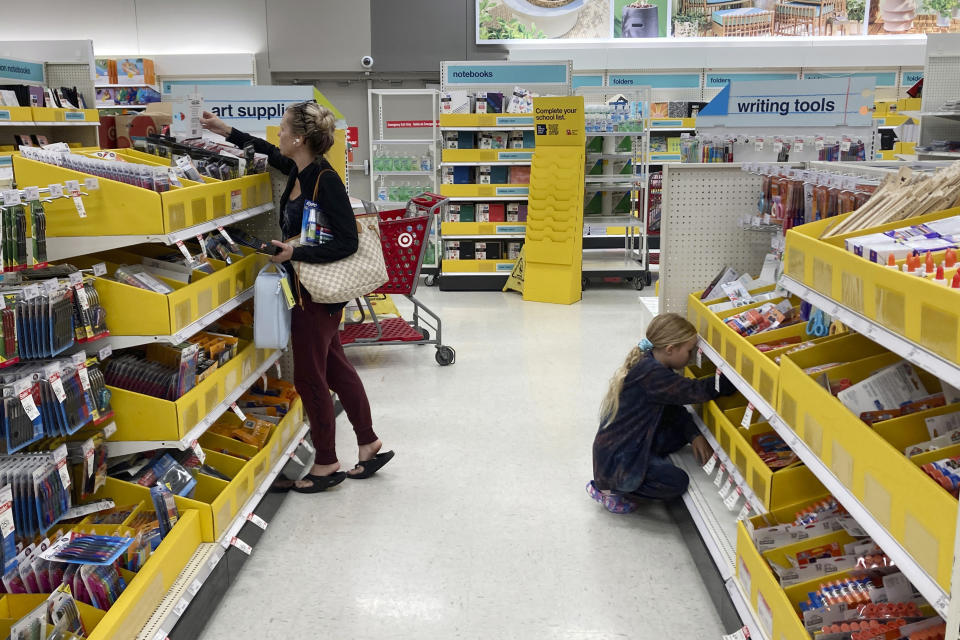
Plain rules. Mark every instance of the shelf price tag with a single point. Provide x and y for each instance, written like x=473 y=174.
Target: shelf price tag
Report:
x=31 y=291
x=745 y=511
x=711 y=464
x=105 y=353
x=238 y=411
x=731 y=501
x=109 y=430
x=798 y=144
x=719 y=479
x=740 y=634
x=240 y=544
x=11 y=197
x=184 y=251
x=51 y=285
x=88 y=449
x=819 y=144
x=759 y=144
x=747 y=416
x=845 y=145
x=78 y=203
x=195 y=587
x=56 y=190
x=725 y=489
x=257 y=520
x=84 y=376
x=100 y=269
x=76 y=278
x=203 y=245
x=57 y=384
x=716 y=380
x=198 y=451
x=91 y=184
x=181 y=607
x=60 y=459
x=226 y=236
x=161 y=636
x=777 y=146
x=31 y=194
x=699 y=358
x=73 y=186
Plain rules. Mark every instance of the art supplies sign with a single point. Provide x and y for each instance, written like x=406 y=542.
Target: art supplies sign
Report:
x=249 y=109
x=830 y=102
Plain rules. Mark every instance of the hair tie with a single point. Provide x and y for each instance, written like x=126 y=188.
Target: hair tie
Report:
x=645 y=345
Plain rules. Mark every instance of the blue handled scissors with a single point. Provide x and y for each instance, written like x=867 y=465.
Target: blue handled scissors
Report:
x=818 y=325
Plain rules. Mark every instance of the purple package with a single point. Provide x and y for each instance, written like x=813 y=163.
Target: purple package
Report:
x=523 y=213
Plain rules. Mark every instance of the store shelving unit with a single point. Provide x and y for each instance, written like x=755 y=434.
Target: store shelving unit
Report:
x=941 y=84
x=413 y=106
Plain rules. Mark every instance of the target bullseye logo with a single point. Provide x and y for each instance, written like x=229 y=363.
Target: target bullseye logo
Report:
x=405 y=240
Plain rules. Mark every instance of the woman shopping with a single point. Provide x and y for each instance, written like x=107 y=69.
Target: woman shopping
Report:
x=306 y=134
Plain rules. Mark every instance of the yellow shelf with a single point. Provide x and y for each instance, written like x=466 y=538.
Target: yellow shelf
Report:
x=118 y=209
x=452 y=156
x=472 y=120
x=482 y=228
x=501 y=267
x=41 y=116
x=481 y=191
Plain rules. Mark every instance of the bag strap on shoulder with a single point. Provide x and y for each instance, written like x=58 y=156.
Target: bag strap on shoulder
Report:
x=316 y=185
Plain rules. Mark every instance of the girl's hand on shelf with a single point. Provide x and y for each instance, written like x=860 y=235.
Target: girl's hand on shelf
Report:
x=212 y=123
x=701 y=450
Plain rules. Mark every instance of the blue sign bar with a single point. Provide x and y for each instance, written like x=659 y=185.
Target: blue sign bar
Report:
x=587 y=81
x=882 y=78
x=513 y=191
x=515 y=155
x=514 y=121
x=504 y=266
x=74 y=115
x=501 y=74
x=20 y=70
x=4 y=114
x=511 y=228
x=715 y=80
x=911 y=78
x=656 y=80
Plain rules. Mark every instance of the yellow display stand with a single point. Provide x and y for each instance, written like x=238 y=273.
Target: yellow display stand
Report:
x=337 y=156
x=553 y=252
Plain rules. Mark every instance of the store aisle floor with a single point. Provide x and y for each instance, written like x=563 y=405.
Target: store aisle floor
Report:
x=480 y=527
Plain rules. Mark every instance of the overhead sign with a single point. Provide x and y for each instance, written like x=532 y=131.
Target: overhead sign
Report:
x=248 y=108
x=825 y=103
x=911 y=78
x=587 y=80
x=882 y=78
x=21 y=71
x=656 y=80
x=716 y=80
x=499 y=73
x=559 y=121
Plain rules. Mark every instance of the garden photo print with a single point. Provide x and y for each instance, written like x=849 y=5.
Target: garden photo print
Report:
x=606 y=20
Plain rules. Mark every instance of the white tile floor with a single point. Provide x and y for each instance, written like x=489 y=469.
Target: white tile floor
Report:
x=480 y=527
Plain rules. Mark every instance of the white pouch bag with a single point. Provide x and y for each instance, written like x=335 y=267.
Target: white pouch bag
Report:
x=271 y=315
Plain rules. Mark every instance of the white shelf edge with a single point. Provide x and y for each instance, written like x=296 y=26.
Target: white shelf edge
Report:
x=503 y=127
x=187 y=585
x=404 y=141
x=32 y=123
x=728 y=464
x=119 y=448
x=497 y=163
x=615 y=134
x=475 y=273
x=499 y=236
x=920 y=356
x=487 y=199
x=122 y=342
x=742 y=605
x=63 y=247
x=706 y=522
x=404 y=173
x=918 y=577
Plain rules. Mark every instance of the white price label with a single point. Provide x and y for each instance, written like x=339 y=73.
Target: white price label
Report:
x=11 y=197
x=195 y=587
x=7 y=524
x=100 y=269
x=181 y=607
x=56 y=190
x=731 y=501
x=725 y=489
x=716 y=381
x=161 y=636
x=747 y=417
x=73 y=186
x=777 y=146
x=711 y=464
x=60 y=459
x=741 y=634
x=203 y=245
x=719 y=479
x=31 y=291
x=819 y=144
x=89 y=449
x=845 y=145
x=82 y=297
x=240 y=544
x=237 y=410
x=198 y=450
x=31 y=194
x=109 y=430
x=295 y=457
x=745 y=511
x=257 y=520
x=52 y=285
x=699 y=358
x=236 y=200
x=184 y=250
x=26 y=399
x=84 y=376
x=105 y=353
x=76 y=278
x=277 y=365
x=759 y=144
x=798 y=145
x=226 y=236
x=58 y=389
x=91 y=184
x=78 y=358
x=78 y=203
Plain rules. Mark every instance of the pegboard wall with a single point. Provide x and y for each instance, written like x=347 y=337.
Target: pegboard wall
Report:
x=941 y=73
x=700 y=228
x=72 y=75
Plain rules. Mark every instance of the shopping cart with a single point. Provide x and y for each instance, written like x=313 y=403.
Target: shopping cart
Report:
x=404 y=234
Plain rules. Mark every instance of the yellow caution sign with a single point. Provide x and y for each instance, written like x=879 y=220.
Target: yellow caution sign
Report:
x=515 y=281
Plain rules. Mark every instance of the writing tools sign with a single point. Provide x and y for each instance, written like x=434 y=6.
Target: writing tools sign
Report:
x=827 y=102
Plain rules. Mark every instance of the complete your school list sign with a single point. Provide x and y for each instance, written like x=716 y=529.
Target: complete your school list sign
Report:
x=828 y=102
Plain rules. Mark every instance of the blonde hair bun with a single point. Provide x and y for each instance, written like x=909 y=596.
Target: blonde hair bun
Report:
x=315 y=124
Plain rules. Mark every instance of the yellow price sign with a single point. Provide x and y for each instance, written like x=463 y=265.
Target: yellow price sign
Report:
x=559 y=121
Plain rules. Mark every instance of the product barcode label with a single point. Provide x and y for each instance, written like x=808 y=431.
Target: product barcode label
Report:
x=58 y=389
x=699 y=358
x=78 y=203
x=240 y=544
x=91 y=184
x=56 y=190
x=719 y=479
x=198 y=451
x=89 y=449
x=76 y=278
x=744 y=512
x=711 y=464
x=26 y=400
x=31 y=291
x=100 y=269
x=257 y=520
x=11 y=197
x=238 y=411
x=31 y=194
x=731 y=502
x=747 y=416
x=725 y=489
x=716 y=381
x=84 y=376
x=181 y=607
x=798 y=144
x=195 y=587
x=60 y=458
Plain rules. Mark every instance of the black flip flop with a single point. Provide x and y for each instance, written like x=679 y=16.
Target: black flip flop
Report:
x=371 y=466
x=281 y=488
x=320 y=483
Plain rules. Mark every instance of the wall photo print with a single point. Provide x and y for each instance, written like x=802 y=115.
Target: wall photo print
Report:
x=499 y=20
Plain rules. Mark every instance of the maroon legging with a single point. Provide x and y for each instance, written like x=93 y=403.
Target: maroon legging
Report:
x=319 y=364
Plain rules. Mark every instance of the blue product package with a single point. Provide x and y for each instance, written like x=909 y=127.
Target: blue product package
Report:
x=499 y=175
x=529 y=139
x=462 y=175
x=77 y=548
x=466 y=140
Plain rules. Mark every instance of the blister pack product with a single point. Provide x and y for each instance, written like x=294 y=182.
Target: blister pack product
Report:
x=104 y=584
x=166 y=508
x=136 y=276
x=84 y=549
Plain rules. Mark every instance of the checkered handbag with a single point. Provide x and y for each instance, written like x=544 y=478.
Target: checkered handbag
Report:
x=354 y=276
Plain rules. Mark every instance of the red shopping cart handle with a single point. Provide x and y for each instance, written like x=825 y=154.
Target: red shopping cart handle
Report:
x=428 y=199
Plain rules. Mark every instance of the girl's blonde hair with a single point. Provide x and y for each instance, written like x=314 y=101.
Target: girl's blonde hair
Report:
x=668 y=329
x=315 y=124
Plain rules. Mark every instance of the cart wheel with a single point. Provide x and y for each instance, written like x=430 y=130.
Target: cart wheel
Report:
x=638 y=283
x=445 y=356
x=584 y=283
x=430 y=280
x=426 y=334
